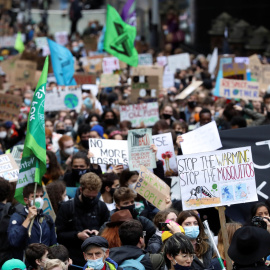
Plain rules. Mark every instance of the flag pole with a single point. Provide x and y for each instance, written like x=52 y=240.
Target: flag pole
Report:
x=33 y=219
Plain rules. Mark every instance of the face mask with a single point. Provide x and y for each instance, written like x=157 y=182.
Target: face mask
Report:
x=166 y=116
x=27 y=101
x=88 y=103
x=109 y=122
x=87 y=201
x=178 y=133
x=79 y=172
x=171 y=99
x=38 y=203
x=69 y=151
x=3 y=134
x=93 y=123
x=96 y=264
x=112 y=190
x=75 y=49
x=85 y=144
x=180 y=267
x=69 y=128
x=61 y=131
x=47 y=165
x=192 y=104
x=132 y=186
x=66 y=198
x=192 y=231
x=131 y=209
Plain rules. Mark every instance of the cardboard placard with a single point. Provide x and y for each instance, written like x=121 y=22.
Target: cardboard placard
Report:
x=236 y=71
x=110 y=64
x=178 y=61
x=150 y=71
x=9 y=106
x=255 y=67
x=47 y=206
x=90 y=43
x=264 y=79
x=145 y=59
x=217 y=178
x=109 y=80
x=139 y=152
x=147 y=113
x=153 y=189
x=188 y=90
x=24 y=73
x=82 y=78
x=9 y=169
x=92 y=64
x=63 y=98
x=113 y=152
x=17 y=152
x=239 y=89
x=224 y=59
x=8 y=65
x=166 y=153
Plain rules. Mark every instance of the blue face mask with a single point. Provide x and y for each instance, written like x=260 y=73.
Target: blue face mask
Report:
x=27 y=101
x=96 y=264
x=192 y=231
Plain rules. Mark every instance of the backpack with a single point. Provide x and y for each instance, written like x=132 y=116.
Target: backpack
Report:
x=133 y=264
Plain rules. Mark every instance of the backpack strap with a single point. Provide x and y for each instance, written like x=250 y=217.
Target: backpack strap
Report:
x=140 y=258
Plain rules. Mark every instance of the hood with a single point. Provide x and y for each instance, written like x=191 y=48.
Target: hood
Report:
x=120 y=254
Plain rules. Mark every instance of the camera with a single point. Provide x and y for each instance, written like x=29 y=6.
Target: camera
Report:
x=259 y=222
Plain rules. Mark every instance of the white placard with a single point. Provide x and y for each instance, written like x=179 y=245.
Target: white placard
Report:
x=178 y=61
x=203 y=139
x=109 y=64
x=61 y=38
x=113 y=152
x=217 y=178
x=168 y=78
x=244 y=60
x=162 y=60
x=145 y=59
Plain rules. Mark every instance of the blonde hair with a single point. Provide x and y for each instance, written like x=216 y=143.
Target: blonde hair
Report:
x=91 y=182
x=50 y=264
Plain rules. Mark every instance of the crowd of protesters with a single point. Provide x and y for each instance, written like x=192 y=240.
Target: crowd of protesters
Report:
x=107 y=225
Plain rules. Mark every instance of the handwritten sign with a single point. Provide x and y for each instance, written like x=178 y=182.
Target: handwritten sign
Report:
x=63 y=98
x=239 y=89
x=137 y=113
x=145 y=59
x=244 y=60
x=114 y=152
x=203 y=139
x=17 y=152
x=109 y=80
x=47 y=206
x=110 y=64
x=9 y=170
x=188 y=90
x=162 y=60
x=168 y=78
x=153 y=189
x=178 y=61
x=61 y=38
x=139 y=141
x=222 y=60
x=217 y=178
x=82 y=78
x=255 y=67
x=235 y=71
x=166 y=153
x=9 y=106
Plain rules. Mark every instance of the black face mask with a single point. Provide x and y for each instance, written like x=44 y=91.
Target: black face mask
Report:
x=178 y=133
x=131 y=209
x=166 y=116
x=192 y=104
x=87 y=201
x=79 y=172
x=85 y=144
x=69 y=128
x=61 y=131
x=112 y=190
x=109 y=122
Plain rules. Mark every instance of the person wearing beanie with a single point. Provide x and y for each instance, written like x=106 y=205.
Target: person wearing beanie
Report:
x=13 y=264
x=97 y=132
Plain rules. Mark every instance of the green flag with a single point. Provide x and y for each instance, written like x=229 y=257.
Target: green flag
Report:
x=33 y=163
x=119 y=38
x=19 y=46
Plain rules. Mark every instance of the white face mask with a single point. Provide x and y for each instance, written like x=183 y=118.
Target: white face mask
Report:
x=3 y=134
x=132 y=186
x=38 y=203
x=66 y=198
x=69 y=151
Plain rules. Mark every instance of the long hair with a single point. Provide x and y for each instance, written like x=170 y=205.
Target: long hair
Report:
x=112 y=236
x=231 y=228
x=202 y=243
x=55 y=191
x=54 y=170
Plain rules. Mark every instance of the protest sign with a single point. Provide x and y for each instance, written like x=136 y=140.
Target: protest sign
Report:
x=9 y=106
x=145 y=59
x=47 y=206
x=188 y=90
x=168 y=78
x=90 y=42
x=175 y=188
x=61 y=38
x=239 y=89
x=110 y=64
x=153 y=189
x=178 y=61
x=63 y=98
x=17 y=152
x=82 y=78
x=264 y=78
x=224 y=59
x=92 y=88
x=42 y=43
x=114 y=152
x=139 y=152
x=24 y=73
x=109 y=80
x=213 y=61
x=149 y=71
x=217 y=178
x=71 y=191
x=9 y=41
x=166 y=153
x=93 y=63
x=255 y=67
x=162 y=60
x=144 y=87
x=9 y=169
x=137 y=113
x=244 y=60
x=203 y=139
x=235 y=71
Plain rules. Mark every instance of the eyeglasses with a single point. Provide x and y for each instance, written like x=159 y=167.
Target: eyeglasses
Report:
x=186 y=256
